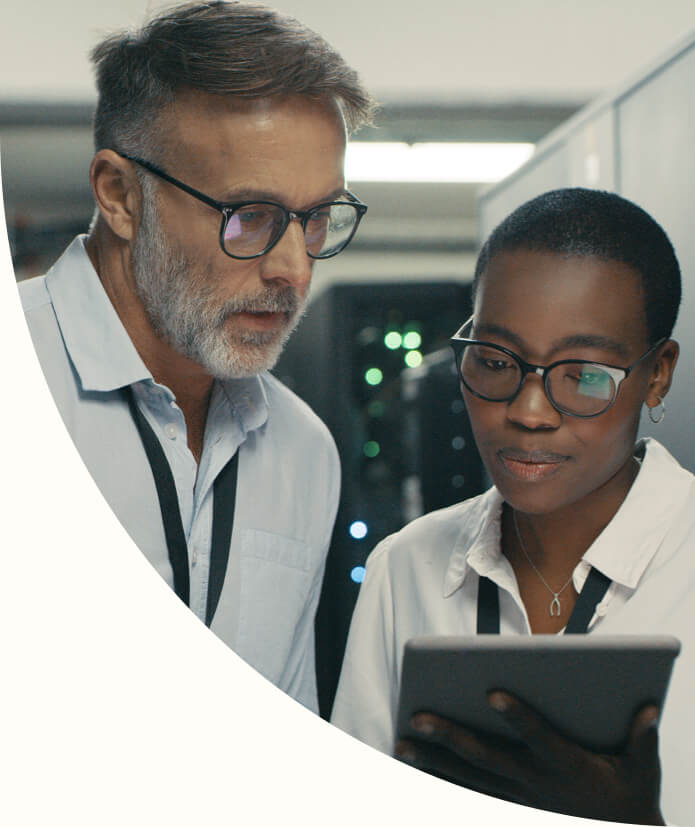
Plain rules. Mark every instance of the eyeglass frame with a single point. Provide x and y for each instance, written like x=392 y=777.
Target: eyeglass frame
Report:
x=229 y=208
x=459 y=343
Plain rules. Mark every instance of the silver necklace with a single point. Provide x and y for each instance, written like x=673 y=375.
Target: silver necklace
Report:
x=555 y=609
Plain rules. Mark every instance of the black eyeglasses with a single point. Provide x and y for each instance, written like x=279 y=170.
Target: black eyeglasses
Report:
x=576 y=387
x=250 y=229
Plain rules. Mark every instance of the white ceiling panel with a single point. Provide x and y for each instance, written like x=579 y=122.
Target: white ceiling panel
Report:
x=450 y=51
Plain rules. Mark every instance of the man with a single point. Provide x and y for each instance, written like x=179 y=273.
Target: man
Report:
x=218 y=178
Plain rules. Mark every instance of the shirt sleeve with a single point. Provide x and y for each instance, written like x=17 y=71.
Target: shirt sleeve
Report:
x=367 y=695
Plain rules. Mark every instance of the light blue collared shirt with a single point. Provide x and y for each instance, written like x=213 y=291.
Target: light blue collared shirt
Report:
x=289 y=476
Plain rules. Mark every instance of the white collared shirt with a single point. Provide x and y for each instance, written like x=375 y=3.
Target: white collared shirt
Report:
x=289 y=474
x=424 y=581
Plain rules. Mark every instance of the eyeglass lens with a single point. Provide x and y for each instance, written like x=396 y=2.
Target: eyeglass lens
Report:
x=580 y=389
x=254 y=228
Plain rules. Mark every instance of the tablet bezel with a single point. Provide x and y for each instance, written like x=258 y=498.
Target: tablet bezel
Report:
x=588 y=687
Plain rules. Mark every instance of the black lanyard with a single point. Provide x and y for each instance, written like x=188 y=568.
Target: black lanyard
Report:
x=595 y=587
x=224 y=499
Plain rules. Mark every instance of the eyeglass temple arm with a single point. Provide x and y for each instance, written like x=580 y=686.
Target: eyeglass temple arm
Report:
x=155 y=170
x=459 y=333
x=356 y=201
x=650 y=351
x=217 y=205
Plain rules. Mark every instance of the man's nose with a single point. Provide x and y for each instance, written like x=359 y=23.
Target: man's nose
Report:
x=288 y=261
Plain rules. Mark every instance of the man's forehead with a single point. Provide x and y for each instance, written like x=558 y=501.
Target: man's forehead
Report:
x=289 y=150
x=190 y=108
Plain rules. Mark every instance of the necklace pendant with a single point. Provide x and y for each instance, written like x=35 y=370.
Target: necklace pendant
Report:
x=555 y=607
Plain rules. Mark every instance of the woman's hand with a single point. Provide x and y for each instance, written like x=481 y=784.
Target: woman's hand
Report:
x=546 y=770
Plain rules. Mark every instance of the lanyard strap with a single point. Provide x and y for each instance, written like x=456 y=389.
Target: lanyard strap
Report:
x=488 y=607
x=595 y=587
x=224 y=499
x=223 y=503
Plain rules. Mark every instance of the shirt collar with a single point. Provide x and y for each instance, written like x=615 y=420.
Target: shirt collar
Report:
x=248 y=399
x=101 y=349
x=478 y=544
x=622 y=551
x=628 y=543
x=98 y=345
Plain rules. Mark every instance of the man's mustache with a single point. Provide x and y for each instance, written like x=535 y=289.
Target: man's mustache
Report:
x=271 y=300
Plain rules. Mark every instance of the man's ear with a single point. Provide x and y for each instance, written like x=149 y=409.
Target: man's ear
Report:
x=117 y=192
x=662 y=374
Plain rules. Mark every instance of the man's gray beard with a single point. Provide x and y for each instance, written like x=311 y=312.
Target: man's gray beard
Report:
x=183 y=308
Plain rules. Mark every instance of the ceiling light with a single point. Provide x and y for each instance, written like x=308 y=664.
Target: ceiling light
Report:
x=434 y=162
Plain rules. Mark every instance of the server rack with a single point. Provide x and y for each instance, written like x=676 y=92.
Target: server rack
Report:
x=349 y=360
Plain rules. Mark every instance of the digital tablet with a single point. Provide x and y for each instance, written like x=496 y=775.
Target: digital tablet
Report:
x=589 y=687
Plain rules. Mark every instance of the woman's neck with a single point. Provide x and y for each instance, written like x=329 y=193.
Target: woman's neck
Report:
x=544 y=549
x=559 y=538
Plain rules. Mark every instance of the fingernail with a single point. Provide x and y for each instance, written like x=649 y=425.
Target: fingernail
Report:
x=405 y=752
x=498 y=701
x=423 y=725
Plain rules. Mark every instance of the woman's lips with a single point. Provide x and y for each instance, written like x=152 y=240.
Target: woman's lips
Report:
x=533 y=466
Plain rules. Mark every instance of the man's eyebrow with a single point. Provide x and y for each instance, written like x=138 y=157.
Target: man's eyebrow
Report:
x=235 y=196
x=577 y=340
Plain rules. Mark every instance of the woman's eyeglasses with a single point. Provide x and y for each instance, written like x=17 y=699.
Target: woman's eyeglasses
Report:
x=576 y=387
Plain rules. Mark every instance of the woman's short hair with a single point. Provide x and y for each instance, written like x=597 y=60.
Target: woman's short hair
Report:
x=234 y=49
x=584 y=222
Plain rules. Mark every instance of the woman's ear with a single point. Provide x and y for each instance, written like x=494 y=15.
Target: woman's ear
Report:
x=662 y=374
x=117 y=192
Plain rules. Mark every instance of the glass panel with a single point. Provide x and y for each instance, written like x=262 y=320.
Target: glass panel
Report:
x=328 y=229
x=581 y=389
x=490 y=372
x=252 y=228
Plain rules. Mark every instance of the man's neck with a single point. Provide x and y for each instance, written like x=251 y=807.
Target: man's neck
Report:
x=187 y=380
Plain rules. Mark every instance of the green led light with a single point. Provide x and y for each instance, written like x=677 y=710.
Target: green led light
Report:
x=373 y=376
x=413 y=358
x=393 y=340
x=412 y=340
x=376 y=408
x=371 y=449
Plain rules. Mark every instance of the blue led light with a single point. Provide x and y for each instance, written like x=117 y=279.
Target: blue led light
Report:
x=357 y=574
x=358 y=530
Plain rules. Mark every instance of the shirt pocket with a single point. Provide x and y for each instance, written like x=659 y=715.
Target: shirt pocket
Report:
x=276 y=576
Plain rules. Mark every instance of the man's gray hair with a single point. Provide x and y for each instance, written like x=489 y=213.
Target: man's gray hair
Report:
x=235 y=49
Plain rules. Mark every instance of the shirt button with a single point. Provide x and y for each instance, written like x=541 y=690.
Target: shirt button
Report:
x=601 y=609
x=194 y=557
x=170 y=431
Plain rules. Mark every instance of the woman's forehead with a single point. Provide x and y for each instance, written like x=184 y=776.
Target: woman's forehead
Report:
x=544 y=297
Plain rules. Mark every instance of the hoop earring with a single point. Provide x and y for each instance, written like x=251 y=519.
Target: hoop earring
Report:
x=662 y=413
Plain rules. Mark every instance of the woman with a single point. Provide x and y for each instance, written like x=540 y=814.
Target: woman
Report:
x=575 y=298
